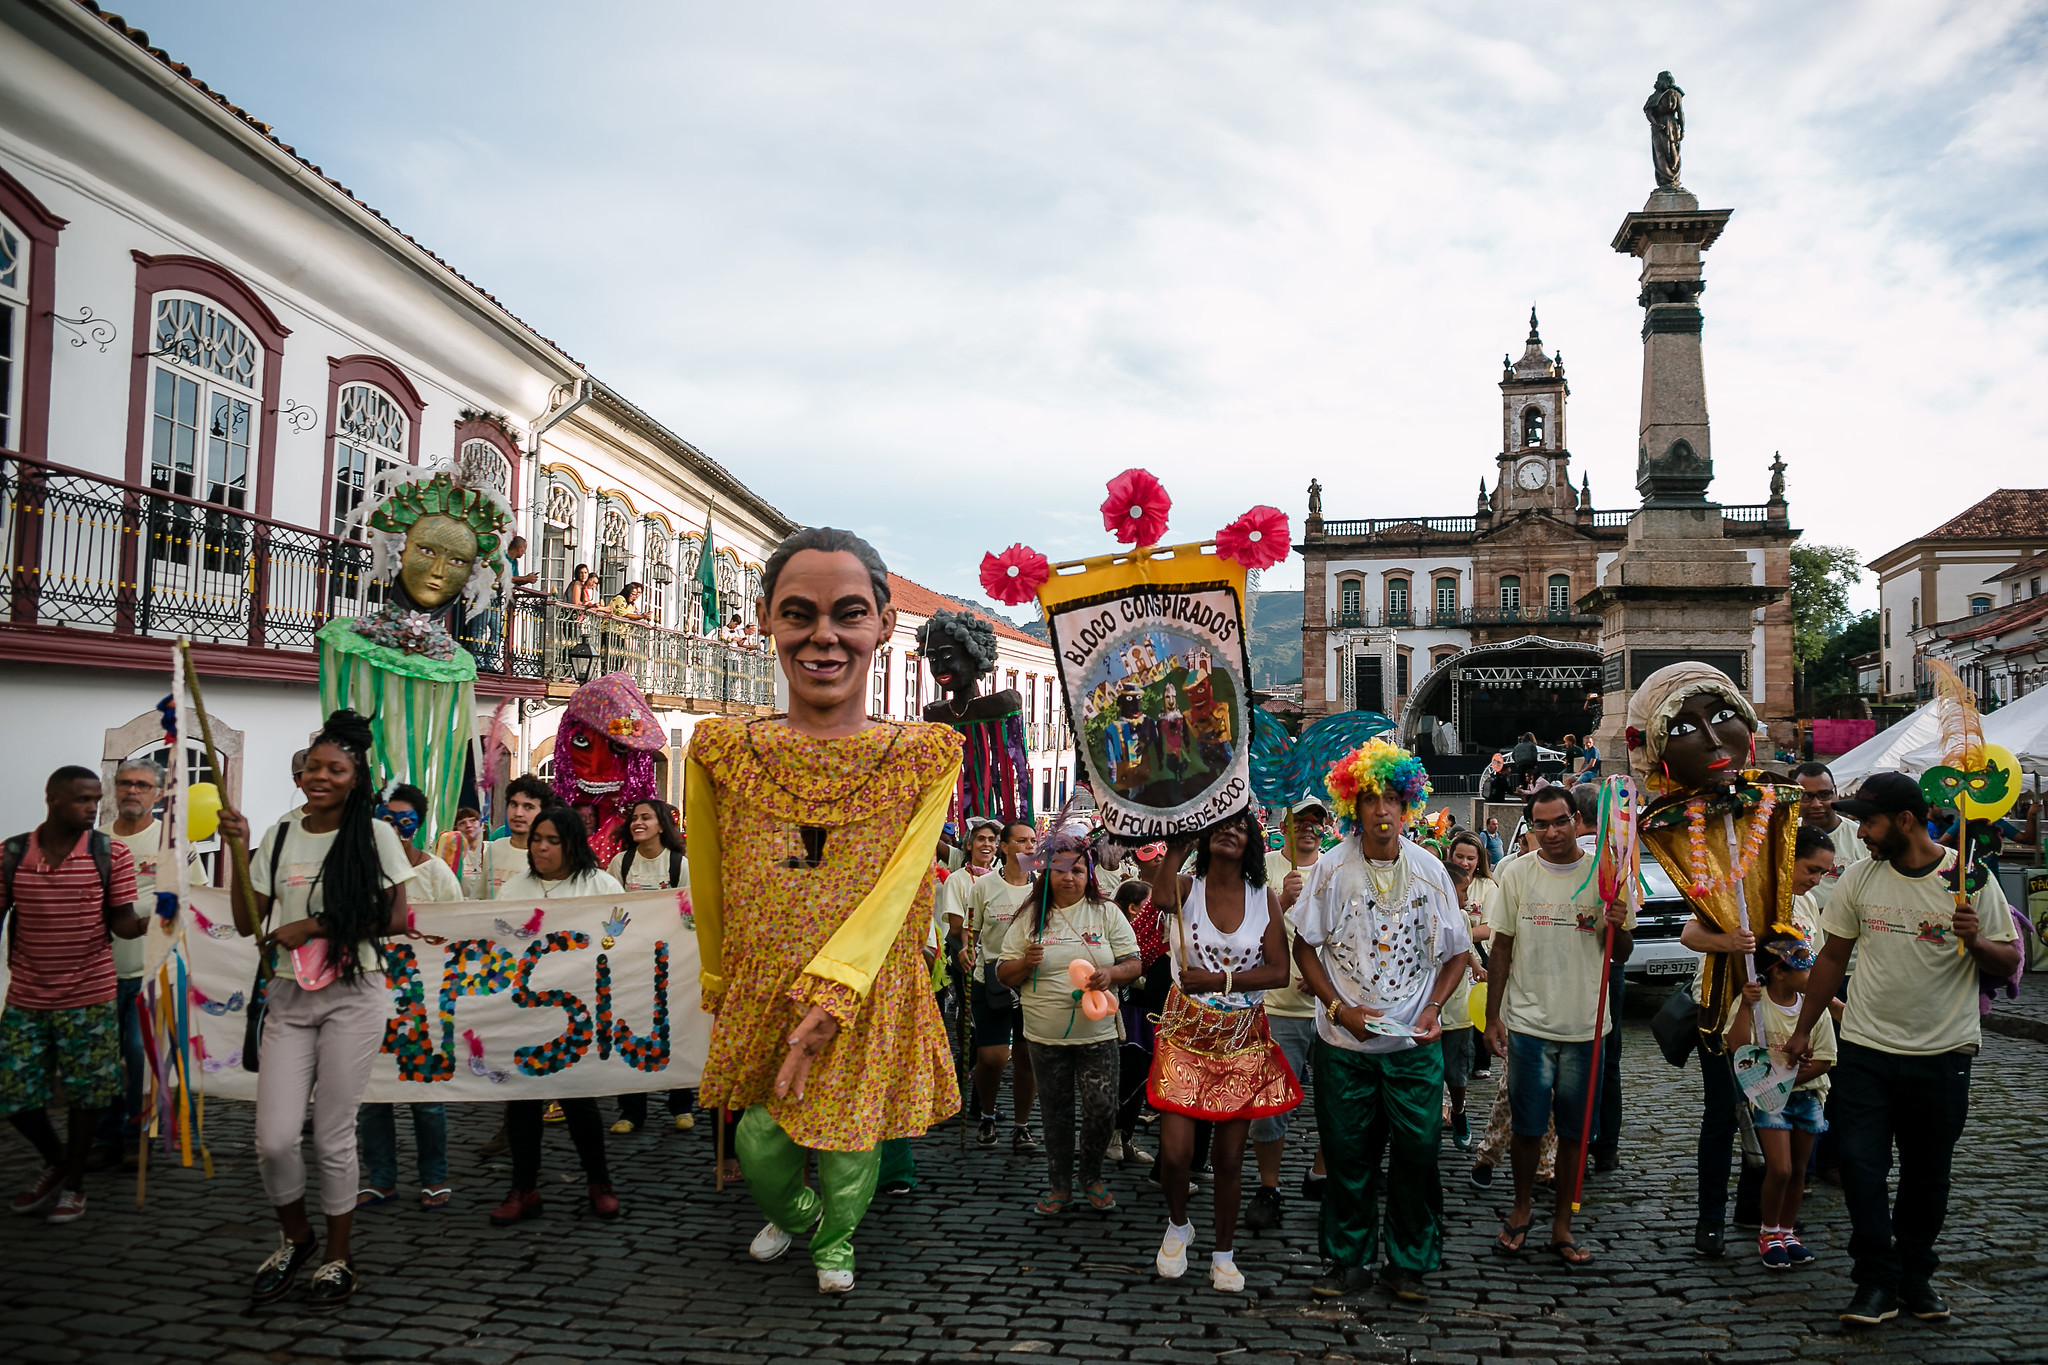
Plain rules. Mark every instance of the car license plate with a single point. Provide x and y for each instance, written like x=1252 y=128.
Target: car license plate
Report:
x=1671 y=967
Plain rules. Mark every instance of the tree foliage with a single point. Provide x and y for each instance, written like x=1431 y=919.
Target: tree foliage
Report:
x=1821 y=575
x=1831 y=674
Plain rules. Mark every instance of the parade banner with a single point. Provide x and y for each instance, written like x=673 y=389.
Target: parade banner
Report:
x=498 y=1000
x=1152 y=658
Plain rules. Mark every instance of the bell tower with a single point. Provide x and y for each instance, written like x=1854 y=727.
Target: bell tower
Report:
x=1534 y=462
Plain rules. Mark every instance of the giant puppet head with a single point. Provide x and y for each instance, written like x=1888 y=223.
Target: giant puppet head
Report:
x=604 y=754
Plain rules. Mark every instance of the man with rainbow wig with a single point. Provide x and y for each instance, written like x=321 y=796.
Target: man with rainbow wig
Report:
x=1381 y=944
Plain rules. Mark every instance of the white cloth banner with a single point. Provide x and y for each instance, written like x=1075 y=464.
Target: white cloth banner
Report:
x=503 y=1000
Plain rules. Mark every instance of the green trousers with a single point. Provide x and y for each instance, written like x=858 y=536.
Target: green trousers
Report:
x=898 y=1162
x=1369 y=1105
x=774 y=1165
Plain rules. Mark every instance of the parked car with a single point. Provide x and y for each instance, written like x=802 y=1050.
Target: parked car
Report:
x=1658 y=958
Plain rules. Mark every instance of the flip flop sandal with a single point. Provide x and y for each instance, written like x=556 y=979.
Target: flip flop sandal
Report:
x=376 y=1197
x=435 y=1200
x=1053 y=1205
x=1563 y=1251
x=1513 y=1230
x=1099 y=1197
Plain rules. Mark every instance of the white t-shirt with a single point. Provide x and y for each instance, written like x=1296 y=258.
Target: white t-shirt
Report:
x=1913 y=994
x=648 y=874
x=527 y=887
x=433 y=883
x=949 y=902
x=991 y=905
x=1481 y=894
x=1386 y=957
x=146 y=845
x=298 y=894
x=1849 y=851
x=1554 y=979
x=1291 y=1001
x=1779 y=1021
x=498 y=863
x=1095 y=930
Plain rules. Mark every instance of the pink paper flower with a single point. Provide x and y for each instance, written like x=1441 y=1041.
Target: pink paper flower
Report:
x=1014 y=576
x=1135 y=510
x=1257 y=540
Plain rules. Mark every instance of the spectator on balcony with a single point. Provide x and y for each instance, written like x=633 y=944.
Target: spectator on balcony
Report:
x=582 y=590
x=626 y=606
x=522 y=583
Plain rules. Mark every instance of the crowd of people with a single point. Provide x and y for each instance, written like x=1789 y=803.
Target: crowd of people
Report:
x=1210 y=979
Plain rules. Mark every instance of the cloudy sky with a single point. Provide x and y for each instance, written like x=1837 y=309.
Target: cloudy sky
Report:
x=936 y=271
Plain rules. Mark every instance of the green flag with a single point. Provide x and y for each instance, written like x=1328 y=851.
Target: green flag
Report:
x=707 y=580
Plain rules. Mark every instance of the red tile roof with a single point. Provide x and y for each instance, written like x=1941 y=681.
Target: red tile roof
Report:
x=1999 y=620
x=2032 y=564
x=919 y=600
x=141 y=40
x=2006 y=514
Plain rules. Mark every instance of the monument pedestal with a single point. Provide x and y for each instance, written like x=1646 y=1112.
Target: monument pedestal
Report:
x=1677 y=591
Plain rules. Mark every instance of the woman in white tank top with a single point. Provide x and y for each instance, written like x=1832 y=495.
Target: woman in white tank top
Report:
x=1212 y=1056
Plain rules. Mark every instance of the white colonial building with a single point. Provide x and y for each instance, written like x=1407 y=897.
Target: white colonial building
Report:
x=1984 y=560
x=207 y=349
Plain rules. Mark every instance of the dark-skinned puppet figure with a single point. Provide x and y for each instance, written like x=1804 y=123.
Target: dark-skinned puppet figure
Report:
x=1725 y=838
x=811 y=838
x=995 y=774
x=604 y=756
x=434 y=541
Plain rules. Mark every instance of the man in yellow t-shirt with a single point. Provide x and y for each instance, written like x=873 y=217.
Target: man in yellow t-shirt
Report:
x=1544 y=1006
x=1290 y=1014
x=1908 y=1037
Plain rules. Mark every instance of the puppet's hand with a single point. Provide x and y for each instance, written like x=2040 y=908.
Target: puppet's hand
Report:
x=807 y=1042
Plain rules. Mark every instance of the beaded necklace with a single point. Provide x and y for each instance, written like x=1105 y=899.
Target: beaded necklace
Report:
x=1703 y=882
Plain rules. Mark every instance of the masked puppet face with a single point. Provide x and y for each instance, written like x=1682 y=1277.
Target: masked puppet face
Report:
x=439 y=554
x=1706 y=742
x=600 y=769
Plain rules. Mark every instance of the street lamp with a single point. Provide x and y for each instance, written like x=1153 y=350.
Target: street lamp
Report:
x=581 y=659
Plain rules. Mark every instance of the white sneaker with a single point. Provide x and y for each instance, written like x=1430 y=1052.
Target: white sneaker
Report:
x=1115 y=1150
x=1227 y=1278
x=841 y=1281
x=1172 y=1259
x=771 y=1243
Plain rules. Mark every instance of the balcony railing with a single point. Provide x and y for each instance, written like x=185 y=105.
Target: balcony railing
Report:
x=106 y=557
x=1365 y=618
x=1399 y=527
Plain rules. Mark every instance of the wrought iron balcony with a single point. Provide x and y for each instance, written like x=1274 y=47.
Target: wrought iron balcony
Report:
x=1364 y=618
x=109 y=559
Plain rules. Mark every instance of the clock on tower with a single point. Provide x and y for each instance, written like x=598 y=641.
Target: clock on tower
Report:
x=1534 y=464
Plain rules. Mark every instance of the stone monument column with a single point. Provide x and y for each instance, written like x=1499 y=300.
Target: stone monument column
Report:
x=1677 y=590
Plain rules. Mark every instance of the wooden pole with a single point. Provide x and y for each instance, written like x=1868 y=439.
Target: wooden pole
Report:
x=239 y=852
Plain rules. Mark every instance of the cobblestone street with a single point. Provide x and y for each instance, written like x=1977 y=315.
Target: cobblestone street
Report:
x=961 y=1269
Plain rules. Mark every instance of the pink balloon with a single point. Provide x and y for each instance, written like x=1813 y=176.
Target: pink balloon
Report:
x=1081 y=971
x=1098 y=1004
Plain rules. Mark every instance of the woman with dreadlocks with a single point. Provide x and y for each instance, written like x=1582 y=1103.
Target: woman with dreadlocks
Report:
x=326 y=887
x=1065 y=919
x=1212 y=1056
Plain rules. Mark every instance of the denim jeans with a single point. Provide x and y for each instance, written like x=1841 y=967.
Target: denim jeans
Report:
x=377 y=1127
x=1920 y=1104
x=1295 y=1038
x=121 y=1123
x=1548 y=1079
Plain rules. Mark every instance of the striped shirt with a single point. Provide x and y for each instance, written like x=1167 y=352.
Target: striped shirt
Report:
x=61 y=955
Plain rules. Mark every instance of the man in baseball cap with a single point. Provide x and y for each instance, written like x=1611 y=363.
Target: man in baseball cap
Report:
x=1908 y=1037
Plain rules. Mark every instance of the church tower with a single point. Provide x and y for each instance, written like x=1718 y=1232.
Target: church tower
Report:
x=1534 y=462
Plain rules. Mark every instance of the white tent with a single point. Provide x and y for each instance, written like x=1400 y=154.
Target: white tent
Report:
x=1914 y=744
x=1883 y=751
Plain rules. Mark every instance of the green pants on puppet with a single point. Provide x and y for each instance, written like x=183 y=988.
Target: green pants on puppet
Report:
x=774 y=1164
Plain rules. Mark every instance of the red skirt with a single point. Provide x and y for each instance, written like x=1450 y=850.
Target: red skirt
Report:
x=1218 y=1064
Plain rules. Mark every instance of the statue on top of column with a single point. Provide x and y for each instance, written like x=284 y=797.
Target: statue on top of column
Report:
x=1315 y=497
x=1665 y=109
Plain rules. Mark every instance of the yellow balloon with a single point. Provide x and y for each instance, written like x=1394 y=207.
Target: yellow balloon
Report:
x=1999 y=757
x=202 y=810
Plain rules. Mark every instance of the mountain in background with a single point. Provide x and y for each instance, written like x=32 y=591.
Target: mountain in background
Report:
x=1272 y=637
